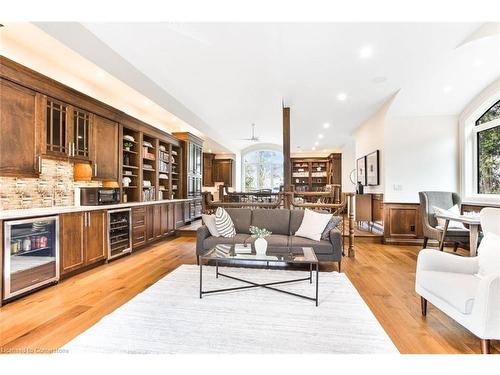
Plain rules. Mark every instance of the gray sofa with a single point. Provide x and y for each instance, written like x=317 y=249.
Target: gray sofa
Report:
x=282 y=223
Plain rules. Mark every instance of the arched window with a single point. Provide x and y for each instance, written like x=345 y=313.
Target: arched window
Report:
x=487 y=134
x=262 y=169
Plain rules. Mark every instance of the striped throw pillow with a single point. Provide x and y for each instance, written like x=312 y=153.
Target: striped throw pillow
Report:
x=224 y=224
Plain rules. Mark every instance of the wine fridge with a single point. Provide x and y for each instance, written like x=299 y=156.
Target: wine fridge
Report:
x=31 y=254
x=119 y=229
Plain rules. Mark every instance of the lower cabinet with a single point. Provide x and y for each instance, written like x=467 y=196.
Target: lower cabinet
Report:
x=153 y=222
x=83 y=239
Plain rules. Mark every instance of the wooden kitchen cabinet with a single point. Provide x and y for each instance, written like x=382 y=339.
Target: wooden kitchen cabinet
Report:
x=223 y=171
x=138 y=227
x=150 y=219
x=105 y=150
x=20 y=131
x=83 y=239
x=95 y=237
x=208 y=169
x=157 y=221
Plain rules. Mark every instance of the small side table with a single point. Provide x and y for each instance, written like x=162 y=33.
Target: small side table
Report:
x=471 y=221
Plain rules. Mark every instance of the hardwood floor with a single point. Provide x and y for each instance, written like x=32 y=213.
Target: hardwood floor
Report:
x=384 y=276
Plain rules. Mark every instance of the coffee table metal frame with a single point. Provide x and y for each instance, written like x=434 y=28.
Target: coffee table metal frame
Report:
x=258 y=285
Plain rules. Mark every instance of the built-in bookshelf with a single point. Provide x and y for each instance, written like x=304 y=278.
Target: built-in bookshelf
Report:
x=310 y=174
x=130 y=165
x=164 y=170
x=149 y=169
x=175 y=161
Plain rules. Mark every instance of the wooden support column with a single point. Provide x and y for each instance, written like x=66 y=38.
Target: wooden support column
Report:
x=350 y=215
x=287 y=170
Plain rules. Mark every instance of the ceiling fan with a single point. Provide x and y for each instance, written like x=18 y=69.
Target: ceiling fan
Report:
x=253 y=138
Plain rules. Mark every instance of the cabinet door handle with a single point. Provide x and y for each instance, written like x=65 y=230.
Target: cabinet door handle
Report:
x=95 y=170
x=39 y=164
x=89 y=219
x=72 y=148
x=85 y=219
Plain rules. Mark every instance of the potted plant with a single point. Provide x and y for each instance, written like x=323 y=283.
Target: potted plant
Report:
x=260 y=235
x=127 y=146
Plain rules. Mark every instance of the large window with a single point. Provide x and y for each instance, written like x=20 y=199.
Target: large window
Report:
x=487 y=132
x=263 y=169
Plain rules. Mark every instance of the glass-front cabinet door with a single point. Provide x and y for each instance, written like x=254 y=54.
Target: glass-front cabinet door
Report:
x=80 y=145
x=56 y=128
x=31 y=254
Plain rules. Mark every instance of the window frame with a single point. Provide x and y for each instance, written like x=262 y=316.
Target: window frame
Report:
x=475 y=152
x=244 y=166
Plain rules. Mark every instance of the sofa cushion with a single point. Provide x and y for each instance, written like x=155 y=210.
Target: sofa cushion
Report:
x=320 y=247
x=275 y=220
x=313 y=225
x=277 y=240
x=210 y=242
x=242 y=219
x=224 y=223
x=456 y=289
x=296 y=217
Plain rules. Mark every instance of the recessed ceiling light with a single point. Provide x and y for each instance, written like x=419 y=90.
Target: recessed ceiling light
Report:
x=342 y=96
x=209 y=150
x=100 y=73
x=314 y=148
x=326 y=125
x=147 y=102
x=447 y=89
x=316 y=143
x=320 y=136
x=365 y=52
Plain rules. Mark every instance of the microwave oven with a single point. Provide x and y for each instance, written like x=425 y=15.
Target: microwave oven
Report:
x=96 y=196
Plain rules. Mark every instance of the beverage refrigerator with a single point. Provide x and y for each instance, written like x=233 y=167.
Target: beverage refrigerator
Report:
x=31 y=254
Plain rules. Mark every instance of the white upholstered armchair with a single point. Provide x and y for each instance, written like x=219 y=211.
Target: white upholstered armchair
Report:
x=466 y=289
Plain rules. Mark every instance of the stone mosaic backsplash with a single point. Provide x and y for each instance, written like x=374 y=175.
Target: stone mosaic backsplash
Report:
x=54 y=187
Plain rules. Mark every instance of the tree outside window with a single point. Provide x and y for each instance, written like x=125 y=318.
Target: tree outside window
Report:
x=263 y=169
x=488 y=151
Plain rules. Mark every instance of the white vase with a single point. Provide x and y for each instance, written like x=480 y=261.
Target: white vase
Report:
x=260 y=246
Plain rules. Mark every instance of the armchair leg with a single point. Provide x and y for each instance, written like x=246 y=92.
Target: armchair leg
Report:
x=485 y=346
x=197 y=260
x=425 y=242
x=339 y=265
x=455 y=247
x=423 y=305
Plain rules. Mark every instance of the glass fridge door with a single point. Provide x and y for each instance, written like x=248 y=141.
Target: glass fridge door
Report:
x=31 y=249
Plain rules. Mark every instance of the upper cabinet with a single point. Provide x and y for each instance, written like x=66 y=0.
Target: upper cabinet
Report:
x=208 y=176
x=223 y=171
x=56 y=128
x=68 y=131
x=105 y=153
x=19 y=131
x=82 y=135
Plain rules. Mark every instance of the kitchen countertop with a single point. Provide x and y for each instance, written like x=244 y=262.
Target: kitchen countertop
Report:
x=48 y=211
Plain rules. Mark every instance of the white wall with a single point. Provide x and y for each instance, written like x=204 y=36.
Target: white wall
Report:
x=348 y=164
x=420 y=153
x=369 y=137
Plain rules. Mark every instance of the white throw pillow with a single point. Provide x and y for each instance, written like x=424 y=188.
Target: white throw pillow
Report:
x=224 y=223
x=455 y=210
x=313 y=224
x=489 y=255
x=209 y=221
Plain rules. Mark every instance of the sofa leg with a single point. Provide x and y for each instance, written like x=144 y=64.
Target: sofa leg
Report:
x=455 y=247
x=425 y=242
x=423 y=305
x=197 y=260
x=339 y=266
x=485 y=346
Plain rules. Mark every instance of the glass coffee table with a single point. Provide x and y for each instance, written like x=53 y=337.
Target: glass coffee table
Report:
x=241 y=254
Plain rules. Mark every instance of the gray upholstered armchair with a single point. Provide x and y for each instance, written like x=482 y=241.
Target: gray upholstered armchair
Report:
x=445 y=200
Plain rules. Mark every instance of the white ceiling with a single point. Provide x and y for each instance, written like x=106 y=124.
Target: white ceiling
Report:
x=224 y=76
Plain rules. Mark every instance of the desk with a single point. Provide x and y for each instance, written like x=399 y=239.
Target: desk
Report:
x=473 y=223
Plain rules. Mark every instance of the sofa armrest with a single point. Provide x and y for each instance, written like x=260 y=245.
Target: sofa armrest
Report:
x=336 y=241
x=201 y=234
x=434 y=260
x=486 y=308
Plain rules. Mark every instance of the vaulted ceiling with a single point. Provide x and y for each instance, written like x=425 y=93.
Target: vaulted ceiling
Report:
x=222 y=77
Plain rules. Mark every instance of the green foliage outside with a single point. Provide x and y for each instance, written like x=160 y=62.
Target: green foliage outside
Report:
x=489 y=161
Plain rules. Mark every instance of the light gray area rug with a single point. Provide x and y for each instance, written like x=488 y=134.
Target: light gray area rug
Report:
x=169 y=317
